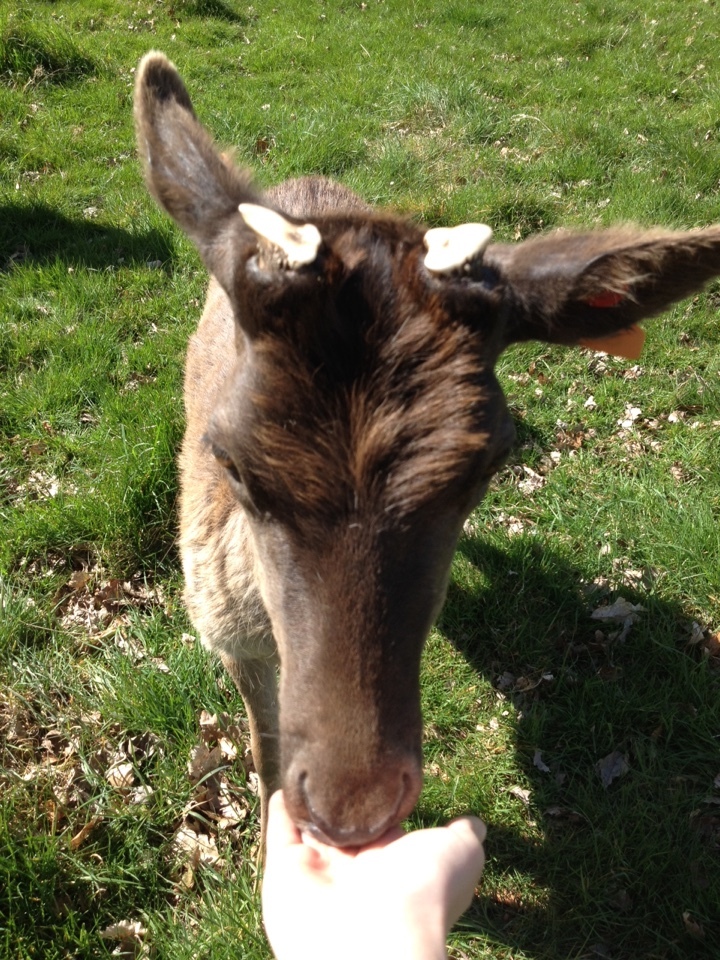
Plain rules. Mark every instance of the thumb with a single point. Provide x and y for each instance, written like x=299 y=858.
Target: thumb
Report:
x=465 y=860
x=281 y=831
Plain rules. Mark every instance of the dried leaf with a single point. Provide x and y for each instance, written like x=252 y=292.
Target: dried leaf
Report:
x=521 y=794
x=203 y=762
x=140 y=794
x=532 y=483
x=231 y=809
x=622 y=609
x=81 y=836
x=564 y=813
x=506 y=681
x=124 y=930
x=228 y=749
x=609 y=673
x=712 y=645
x=639 y=579
x=694 y=928
x=539 y=762
x=199 y=848
x=79 y=579
x=131 y=937
x=121 y=776
x=611 y=767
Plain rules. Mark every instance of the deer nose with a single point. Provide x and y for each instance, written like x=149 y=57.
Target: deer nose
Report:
x=352 y=809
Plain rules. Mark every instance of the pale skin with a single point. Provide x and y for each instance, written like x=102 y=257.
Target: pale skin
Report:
x=397 y=897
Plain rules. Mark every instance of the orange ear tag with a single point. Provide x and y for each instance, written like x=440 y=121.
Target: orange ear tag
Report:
x=626 y=343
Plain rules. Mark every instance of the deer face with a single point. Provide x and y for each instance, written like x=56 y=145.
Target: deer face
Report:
x=360 y=426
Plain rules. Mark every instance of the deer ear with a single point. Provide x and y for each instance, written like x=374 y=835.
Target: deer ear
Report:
x=184 y=171
x=568 y=288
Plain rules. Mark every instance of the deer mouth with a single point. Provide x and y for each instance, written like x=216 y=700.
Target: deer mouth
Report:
x=357 y=834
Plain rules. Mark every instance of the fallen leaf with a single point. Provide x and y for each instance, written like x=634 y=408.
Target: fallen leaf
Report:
x=639 y=579
x=521 y=794
x=629 y=417
x=131 y=936
x=622 y=609
x=539 y=762
x=228 y=749
x=532 y=483
x=609 y=673
x=564 y=813
x=203 y=762
x=611 y=767
x=140 y=794
x=526 y=684
x=81 y=836
x=694 y=928
x=712 y=645
x=199 y=848
x=622 y=901
x=78 y=579
x=679 y=473
x=121 y=776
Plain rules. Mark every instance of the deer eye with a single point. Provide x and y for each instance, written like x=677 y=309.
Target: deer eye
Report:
x=226 y=461
x=237 y=484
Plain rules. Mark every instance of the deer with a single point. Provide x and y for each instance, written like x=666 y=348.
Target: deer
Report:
x=343 y=418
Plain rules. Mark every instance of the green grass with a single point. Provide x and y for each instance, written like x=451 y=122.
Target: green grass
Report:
x=525 y=116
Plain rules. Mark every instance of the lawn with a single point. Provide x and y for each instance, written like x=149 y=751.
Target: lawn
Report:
x=591 y=747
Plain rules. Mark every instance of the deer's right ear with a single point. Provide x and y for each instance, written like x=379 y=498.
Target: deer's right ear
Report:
x=571 y=287
x=184 y=170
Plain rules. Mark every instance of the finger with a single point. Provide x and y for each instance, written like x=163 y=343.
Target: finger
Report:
x=474 y=825
x=466 y=860
x=393 y=834
x=281 y=831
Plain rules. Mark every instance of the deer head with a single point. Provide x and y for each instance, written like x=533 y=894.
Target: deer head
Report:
x=360 y=421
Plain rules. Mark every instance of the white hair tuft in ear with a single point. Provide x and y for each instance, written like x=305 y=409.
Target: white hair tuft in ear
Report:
x=299 y=244
x=448 y=248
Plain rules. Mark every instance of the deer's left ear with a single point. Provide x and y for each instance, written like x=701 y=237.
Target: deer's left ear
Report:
x=567 y=288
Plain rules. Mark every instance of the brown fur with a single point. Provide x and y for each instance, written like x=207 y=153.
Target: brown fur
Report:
x=343 y=418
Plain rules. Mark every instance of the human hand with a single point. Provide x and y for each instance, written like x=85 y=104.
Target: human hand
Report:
x=397 y=897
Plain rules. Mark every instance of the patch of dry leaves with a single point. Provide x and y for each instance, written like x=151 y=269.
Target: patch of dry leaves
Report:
x=56 y=758
x=130 y=936
x=218 y=804
x=707 y=642
x=92 y=603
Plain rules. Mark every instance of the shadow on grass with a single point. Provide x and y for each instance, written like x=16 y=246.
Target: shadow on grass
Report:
x=39 y=233
x=31 y=53
x=210 y=8
x=596 y=870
